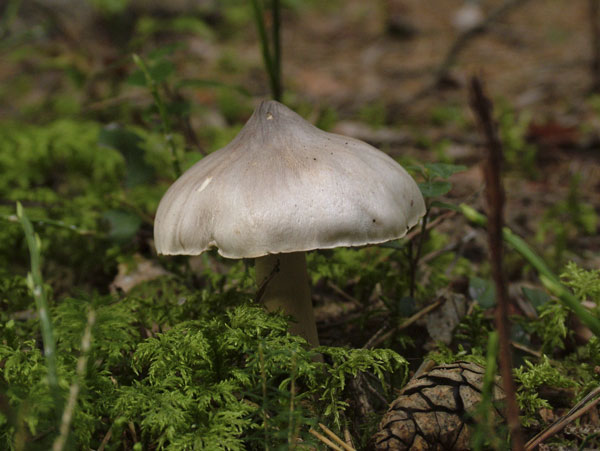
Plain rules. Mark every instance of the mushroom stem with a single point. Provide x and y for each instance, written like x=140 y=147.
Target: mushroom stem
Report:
x=287 y=288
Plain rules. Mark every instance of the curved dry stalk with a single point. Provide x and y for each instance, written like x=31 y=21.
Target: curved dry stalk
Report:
x=583 y=406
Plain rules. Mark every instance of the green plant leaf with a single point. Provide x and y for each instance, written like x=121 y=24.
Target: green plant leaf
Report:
x=159 y=71
x=444 y=170
x=482 y=291
x=123 y=225
x=536 y=297
x=446 y=205
x=434 y=188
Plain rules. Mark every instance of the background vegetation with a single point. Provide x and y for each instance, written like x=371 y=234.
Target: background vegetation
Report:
x=105 y=345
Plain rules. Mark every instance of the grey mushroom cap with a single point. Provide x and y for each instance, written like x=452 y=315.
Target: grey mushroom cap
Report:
x=283 y=185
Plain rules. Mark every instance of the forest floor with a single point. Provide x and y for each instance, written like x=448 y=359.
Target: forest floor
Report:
x=382 y=72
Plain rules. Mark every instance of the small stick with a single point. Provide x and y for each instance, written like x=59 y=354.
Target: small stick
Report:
x=522 y=347
x=430 y=225
x=348 y=437
x=131 y=427
x=416 y=232
x=338 y=440
x=461 y=42
x=105 y=440
x=263 y=286
x=426 y=366
x=384 y=333
x=343 y=294
x=482 y=108
x=464 y=38
x=580 y=408
x=86 y=340
x=325 y=440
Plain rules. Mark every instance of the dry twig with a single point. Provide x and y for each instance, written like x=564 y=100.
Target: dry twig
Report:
x=67 y=416
x=325 y=440
x=460 y=44
x=386 y=332
x=583 y=406
x=334 y=437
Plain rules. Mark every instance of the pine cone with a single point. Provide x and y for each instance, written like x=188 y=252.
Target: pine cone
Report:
x=432 y=410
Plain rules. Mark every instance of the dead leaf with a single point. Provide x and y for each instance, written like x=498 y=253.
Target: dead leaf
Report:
x=128 y=277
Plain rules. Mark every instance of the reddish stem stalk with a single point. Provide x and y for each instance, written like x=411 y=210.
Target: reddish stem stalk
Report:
x=482 y=108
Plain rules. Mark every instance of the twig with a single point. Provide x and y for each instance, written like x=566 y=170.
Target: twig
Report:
x=348 y=437
x=463 y=39
x=371 y=389
x=263 y=378
x=435 y=254
x=384 y=333
x=291 y=426
x=131 y=427
x=482 y=108
x=412 y=235
x=361 y=399
x=265 y=283
x=425 y=366
x=105 y=440
x=583 y=406
x=460 y=44
x=336 y=438
x=67 y=416
x=522 y=347
x=343 y=294
x=325 y=440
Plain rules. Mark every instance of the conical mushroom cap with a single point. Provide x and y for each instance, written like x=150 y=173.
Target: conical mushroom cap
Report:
x=283 y=185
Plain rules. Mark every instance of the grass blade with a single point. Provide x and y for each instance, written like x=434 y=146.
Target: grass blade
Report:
x=547 y=277
x=36 y=285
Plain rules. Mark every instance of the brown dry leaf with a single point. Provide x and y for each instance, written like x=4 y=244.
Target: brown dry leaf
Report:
x=129 y=277
x=441 y=322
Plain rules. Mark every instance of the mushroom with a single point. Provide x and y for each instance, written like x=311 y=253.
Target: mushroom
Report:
x=280 y=188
